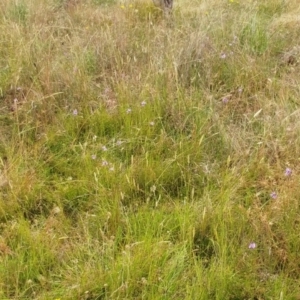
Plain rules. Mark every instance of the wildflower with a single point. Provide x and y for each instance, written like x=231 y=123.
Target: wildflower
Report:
x=240 y=90
x=104 y=148
x=151 y=123
x=94 y=138
x=119 y=143
x=104 y=163
x=55 y=211
x=153 y=188
x=273 y=195
x=288 y=172
x=75 y=112
x=225 y=100
x=143 y=103
x=223 y=55
x=252 y=245
x=128 y=111
x=94 y=156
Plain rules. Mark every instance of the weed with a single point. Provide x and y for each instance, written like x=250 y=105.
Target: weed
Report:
x=149 y=157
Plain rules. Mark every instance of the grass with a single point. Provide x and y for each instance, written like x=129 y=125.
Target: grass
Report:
x=149 y=157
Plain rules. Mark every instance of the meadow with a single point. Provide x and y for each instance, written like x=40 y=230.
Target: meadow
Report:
x=145 y=156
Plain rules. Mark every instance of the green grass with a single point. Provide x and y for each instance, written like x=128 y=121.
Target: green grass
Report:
x=149 y=157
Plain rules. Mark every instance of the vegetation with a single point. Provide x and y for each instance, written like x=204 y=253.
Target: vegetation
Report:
x=145 y=156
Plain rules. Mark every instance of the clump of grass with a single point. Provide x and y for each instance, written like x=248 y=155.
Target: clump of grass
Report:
x=149 y=157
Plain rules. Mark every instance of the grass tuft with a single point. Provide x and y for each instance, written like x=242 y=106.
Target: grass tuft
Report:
x=149 y=156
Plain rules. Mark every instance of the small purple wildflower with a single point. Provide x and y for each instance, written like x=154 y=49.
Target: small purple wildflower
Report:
x=75 y=112
x=288 y=172
x=104 y=163
x=273 y=195
x=252 y=245
x=143 y=103
x=94 y=156
x=225 y=100
x=223 y=55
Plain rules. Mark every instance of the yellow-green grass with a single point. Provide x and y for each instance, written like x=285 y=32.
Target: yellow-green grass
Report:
x=149 y=157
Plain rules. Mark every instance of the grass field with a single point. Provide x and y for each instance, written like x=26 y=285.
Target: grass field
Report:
x=149 y=157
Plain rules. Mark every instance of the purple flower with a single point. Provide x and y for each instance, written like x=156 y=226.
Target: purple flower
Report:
x=223 y=55
x=288 y=172
x=104 y=163
x=75 y=112
x=273 y=195
x=252 y=245
x=225 y=100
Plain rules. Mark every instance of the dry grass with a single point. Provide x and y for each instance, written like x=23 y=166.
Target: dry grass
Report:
x=145 y=157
